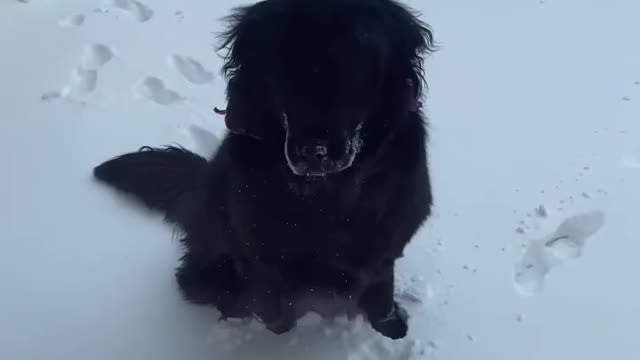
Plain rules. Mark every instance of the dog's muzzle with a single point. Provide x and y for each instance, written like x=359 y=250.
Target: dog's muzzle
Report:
x=318 y=157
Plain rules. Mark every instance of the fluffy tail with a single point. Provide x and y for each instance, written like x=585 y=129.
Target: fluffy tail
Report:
x=163 y=179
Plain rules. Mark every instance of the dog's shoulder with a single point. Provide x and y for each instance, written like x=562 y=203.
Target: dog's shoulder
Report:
x=400 y=193
x=408 y=146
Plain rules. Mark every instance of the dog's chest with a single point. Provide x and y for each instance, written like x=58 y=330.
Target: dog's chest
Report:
x=281 y=222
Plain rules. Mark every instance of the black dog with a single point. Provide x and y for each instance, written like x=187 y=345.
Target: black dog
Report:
x=323 y=179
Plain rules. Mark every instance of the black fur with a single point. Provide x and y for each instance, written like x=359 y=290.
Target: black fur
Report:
x=265 y=221
x=161 y=178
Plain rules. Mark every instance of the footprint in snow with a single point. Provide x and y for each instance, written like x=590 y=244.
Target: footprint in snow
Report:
x=190 y=69
x=95 y=56
x=205 y=142
x=134 y=8
x=566 y=243
x=83 y=80
x=72 y=21
x=154 y=89
x=82 y=83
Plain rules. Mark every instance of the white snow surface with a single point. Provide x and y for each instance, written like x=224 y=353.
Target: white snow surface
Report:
x=532 y=252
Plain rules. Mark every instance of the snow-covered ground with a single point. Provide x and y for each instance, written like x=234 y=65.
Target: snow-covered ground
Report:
x=532 y=252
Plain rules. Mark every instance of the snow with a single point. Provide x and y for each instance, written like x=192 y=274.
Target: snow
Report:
x=534 y=111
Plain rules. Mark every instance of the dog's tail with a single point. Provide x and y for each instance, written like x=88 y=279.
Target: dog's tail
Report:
x=163 y=179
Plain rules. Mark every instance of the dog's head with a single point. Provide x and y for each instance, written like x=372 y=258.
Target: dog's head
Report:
x=324 y=78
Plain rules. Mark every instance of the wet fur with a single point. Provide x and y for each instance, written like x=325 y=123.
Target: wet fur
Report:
x=258 y=238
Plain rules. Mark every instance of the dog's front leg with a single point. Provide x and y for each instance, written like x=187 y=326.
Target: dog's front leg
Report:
x=378 y=303
x=268 y=297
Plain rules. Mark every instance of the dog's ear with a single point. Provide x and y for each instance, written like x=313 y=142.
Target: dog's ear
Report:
x=247 y=41
x=247 y=35
x=243 y=116
x=411 y=40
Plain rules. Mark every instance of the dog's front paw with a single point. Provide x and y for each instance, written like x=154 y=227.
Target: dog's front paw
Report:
x=286 y=319
x=395 y=325
x=275 y=313
x=281 y=326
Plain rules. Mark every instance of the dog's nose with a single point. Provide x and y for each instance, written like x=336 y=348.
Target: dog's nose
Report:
x=314 y=153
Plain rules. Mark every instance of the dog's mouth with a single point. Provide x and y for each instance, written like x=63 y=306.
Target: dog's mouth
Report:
x=317 y=158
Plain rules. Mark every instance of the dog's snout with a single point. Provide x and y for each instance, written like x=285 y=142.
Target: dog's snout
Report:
x=314 y=153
